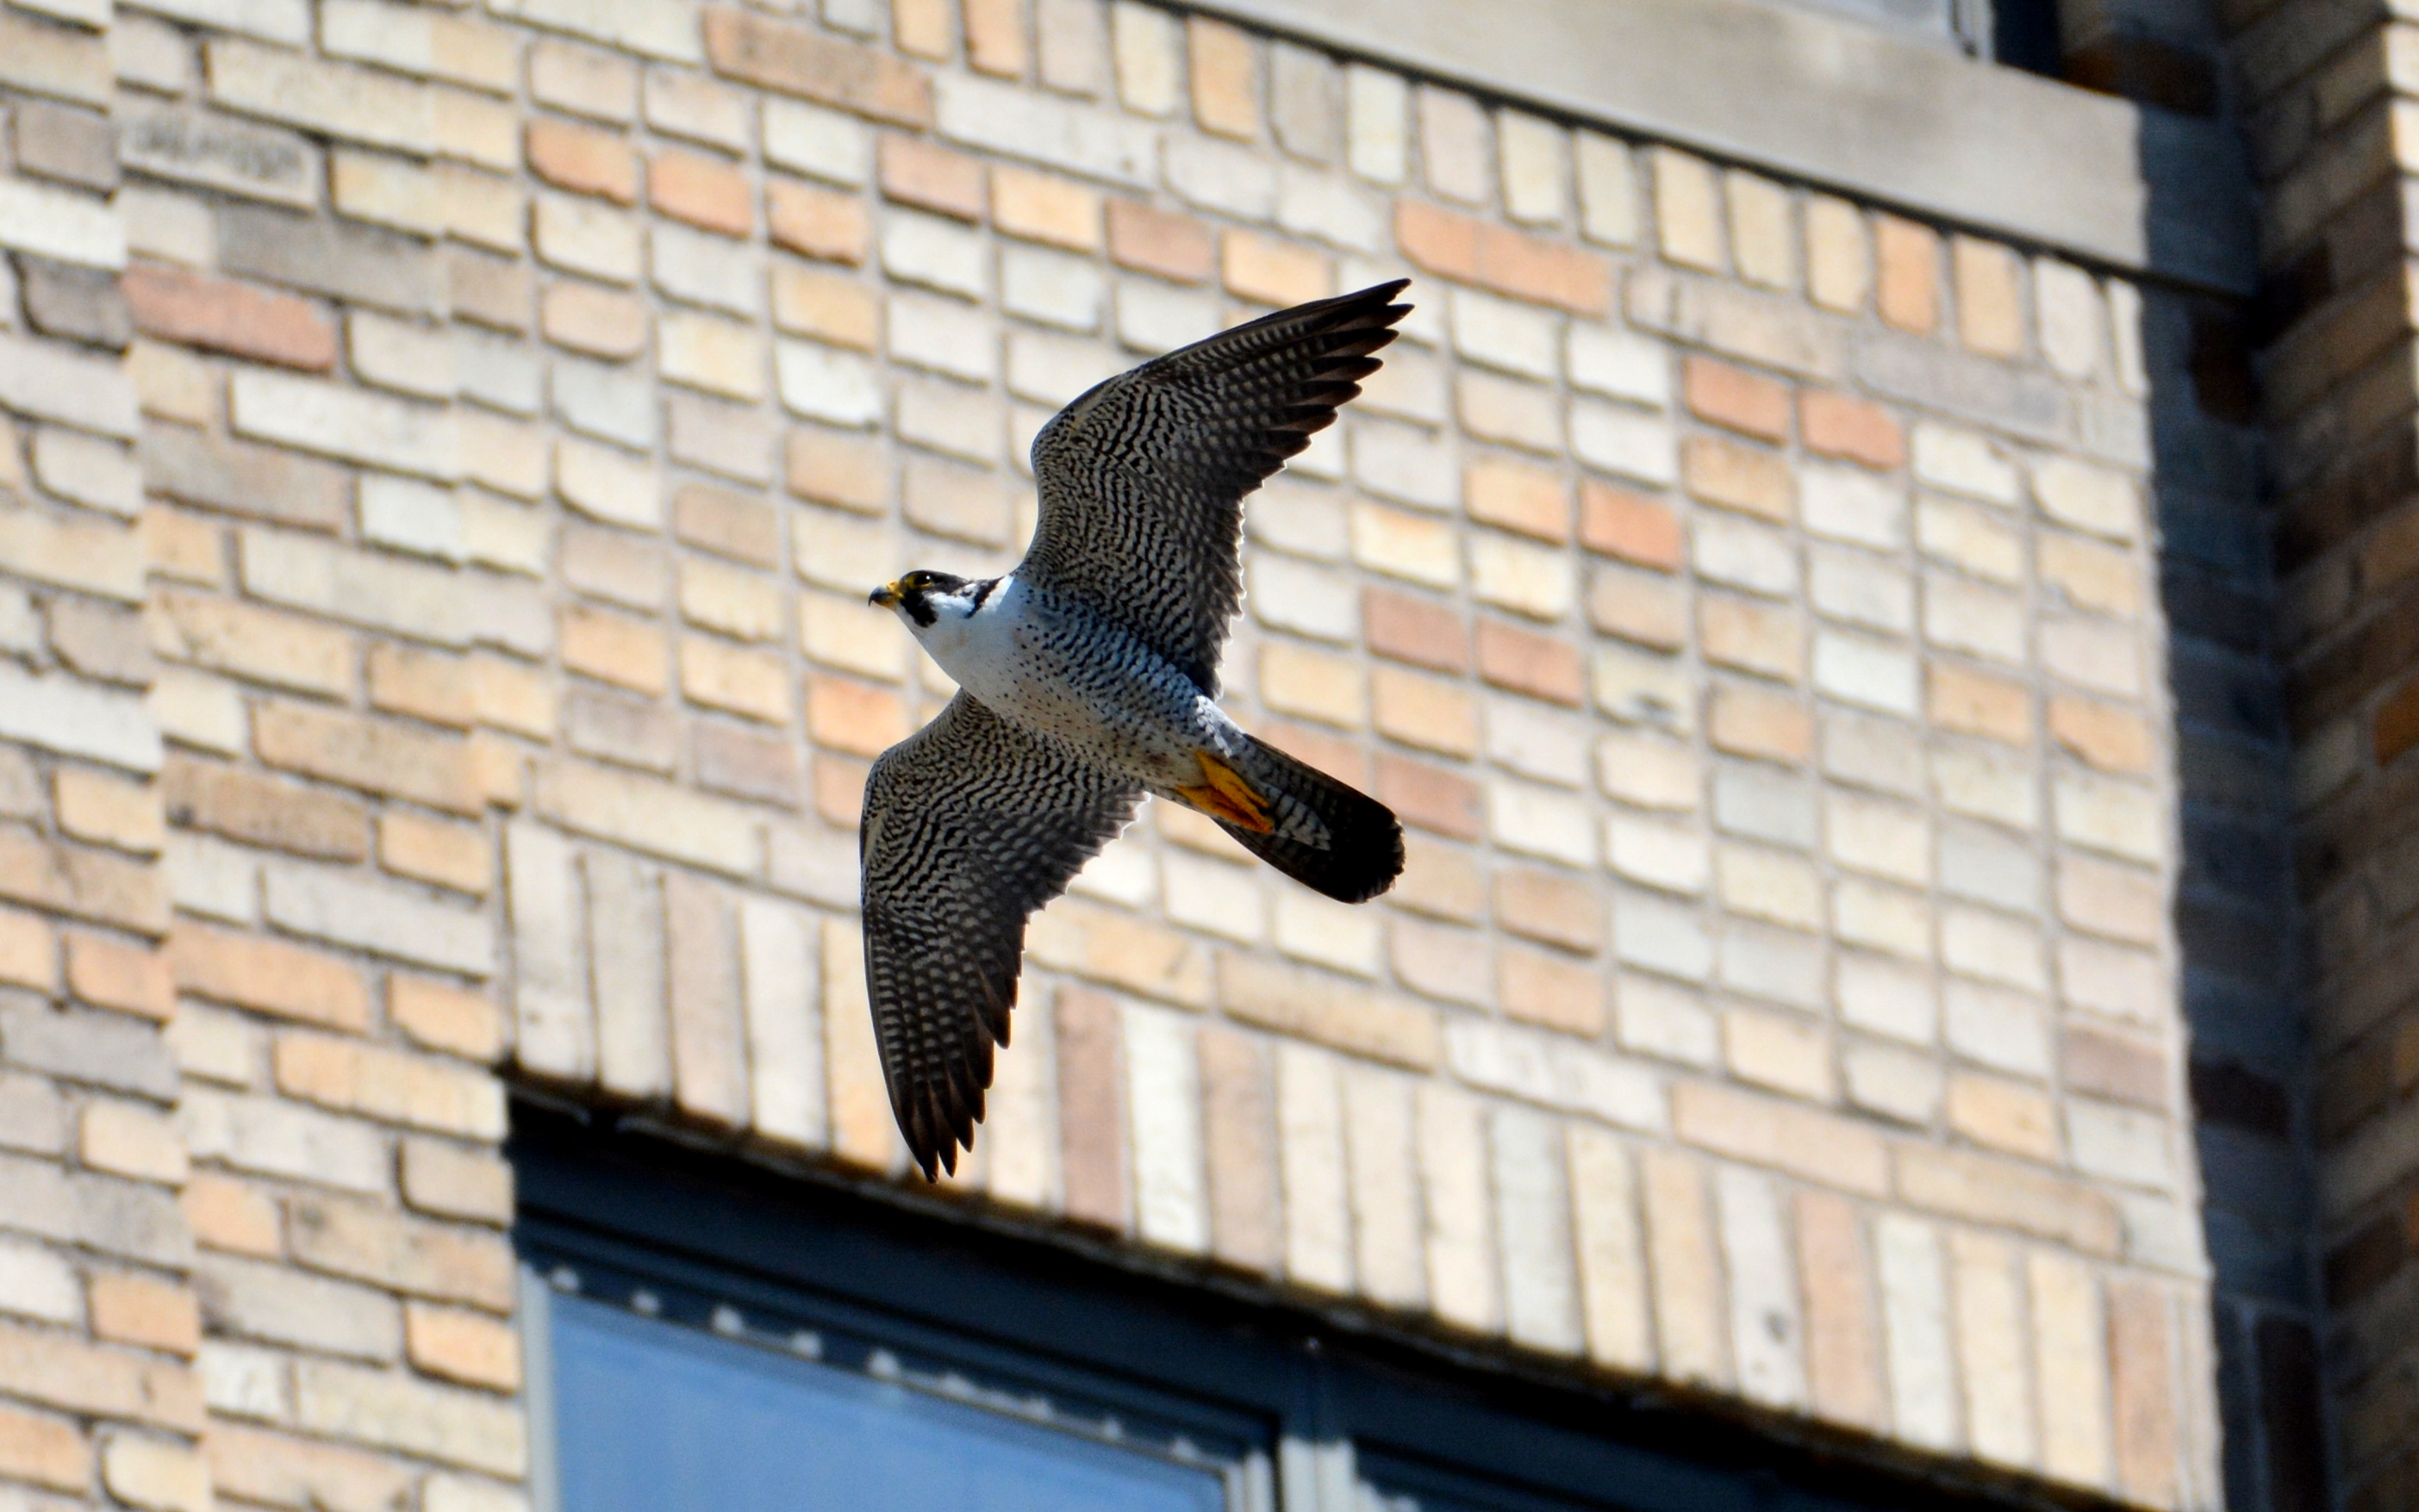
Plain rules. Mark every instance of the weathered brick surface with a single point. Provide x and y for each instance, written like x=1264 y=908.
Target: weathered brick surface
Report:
x=1784 y=931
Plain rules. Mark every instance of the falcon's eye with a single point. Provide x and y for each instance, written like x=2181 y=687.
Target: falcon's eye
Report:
x=917 y=580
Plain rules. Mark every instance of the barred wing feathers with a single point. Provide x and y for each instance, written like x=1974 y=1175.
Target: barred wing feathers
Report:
x=970 y=825
x=1143 y=478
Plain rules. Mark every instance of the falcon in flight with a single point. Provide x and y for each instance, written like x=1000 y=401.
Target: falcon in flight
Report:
x=1086 y=678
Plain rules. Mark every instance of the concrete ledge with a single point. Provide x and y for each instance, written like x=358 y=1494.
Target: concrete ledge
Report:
x=1834 y=103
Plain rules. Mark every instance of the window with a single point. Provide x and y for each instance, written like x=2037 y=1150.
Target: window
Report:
x=703 y=1334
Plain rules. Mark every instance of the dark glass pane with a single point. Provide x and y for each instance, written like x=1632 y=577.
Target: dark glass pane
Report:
x=650 y=1415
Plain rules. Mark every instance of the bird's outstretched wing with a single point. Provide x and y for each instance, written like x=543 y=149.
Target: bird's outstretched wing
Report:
x=1143 y=478
x=970 y=825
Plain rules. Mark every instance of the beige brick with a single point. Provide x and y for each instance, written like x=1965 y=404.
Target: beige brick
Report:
x=386 y=1410
x=1990 y=1348
x=1428 y=713
x=280 y=1470
x=377 y=756
x=131 y=1141
x=225 y=1214
x=1990 y=298
x=109 y=810
x=145 y=1311
x=57 y=1370
x=157 y=1474
x=1687 y=1268
x=468 y=1347
x=1764 y=234
x=29 y=954
x=1779 y=1051
x=265 y=645
x=1801 y=1141
x=445 y=1018
x=1226 y=79
x=1330 y=1010
x=452 y=1181
x=268 y=976
x=1295 y=679
x=1908 y=255
x=350 y=1237
x=1992 y=1189
x=388 y=1084
x=1688 y=208
x=720 y=676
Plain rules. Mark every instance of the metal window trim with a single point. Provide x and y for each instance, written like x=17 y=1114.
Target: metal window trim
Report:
x=1322 y=1383
x=1837 y=104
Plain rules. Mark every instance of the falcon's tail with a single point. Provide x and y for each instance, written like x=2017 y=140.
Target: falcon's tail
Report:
x=1363 y=853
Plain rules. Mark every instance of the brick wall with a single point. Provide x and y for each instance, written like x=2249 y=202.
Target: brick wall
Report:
x=1747 y=598
x=2328 y=88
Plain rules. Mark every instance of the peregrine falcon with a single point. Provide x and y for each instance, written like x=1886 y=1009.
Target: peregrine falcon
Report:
x=1086 y=678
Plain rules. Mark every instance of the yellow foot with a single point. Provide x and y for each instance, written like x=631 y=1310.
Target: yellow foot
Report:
x=1224 y=794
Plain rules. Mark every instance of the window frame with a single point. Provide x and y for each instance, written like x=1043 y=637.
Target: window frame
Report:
x=1333 y=1384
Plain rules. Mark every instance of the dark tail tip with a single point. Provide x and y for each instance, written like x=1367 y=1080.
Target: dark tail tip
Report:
x=1364 y=852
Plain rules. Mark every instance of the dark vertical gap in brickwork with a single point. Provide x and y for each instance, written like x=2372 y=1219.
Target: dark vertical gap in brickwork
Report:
x=2236 y=910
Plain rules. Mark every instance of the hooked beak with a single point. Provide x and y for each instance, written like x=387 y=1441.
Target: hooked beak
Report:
x=885 y=597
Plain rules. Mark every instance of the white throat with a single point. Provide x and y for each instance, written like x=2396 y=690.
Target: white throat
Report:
x=974 y=645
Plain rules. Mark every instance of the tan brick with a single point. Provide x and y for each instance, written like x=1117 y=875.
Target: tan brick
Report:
x=582 y=160
x=1043 y=207
x=1688 y=209
x=995 y=37
x=145 y=1311
x=2007 y=1115
x=57 y=1370
x=831 y=468
x=1994 y=1189
x=1523 y=662
x=374 y=756
x=1743 y=478
x=443 y=1017
x=721 y=676
x=590 y=319
x=1843 y=1336
x=1164 y=242
x=913 y=170
x=428 y=685
x=729 y=525
x=29 y=951
x=1644 y=607
x=2111 y=738
x=1123 y=951
x=614 y=648
x=1415 y=629
x=1519 y=498
x=87 y=885
x=821 y=223
x=704 y=191
x=452 y=1182
x=157 y=1474
x=108 y=810
x=130 y=1140
x=1769 y=639
x=445 y=1262
x=181 y=546
x=1428 y=713
x=1840 y=425
x=224 y=1214
x=2092 y=576
x=1909 y=255
x=222 y=316
x=1736 y=398
x=468 y=1347
x=1295 y=679
x=1551 y=907
x=1430 y=798
x=264 y=811
x=1754 y=722
x=850 y=716
x=284 y=650
x=1551 y=991
x=1989 y=303
x=256 y=1465
x=45 y=1450
x=1615 y=523
x=268 y=976
x=926 y=28
x=2142 y=1371
x=431 y=850
x=796 y=60
x=1786 y=1137
x=1473 y=250
x=1329 y=1010
x=1839 y=261
x=1273 y=271
x=1978 y=704
x=132 y=979
x=1226 y=79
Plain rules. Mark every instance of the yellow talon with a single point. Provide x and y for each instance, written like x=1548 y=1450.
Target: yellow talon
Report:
x=1224 y=794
